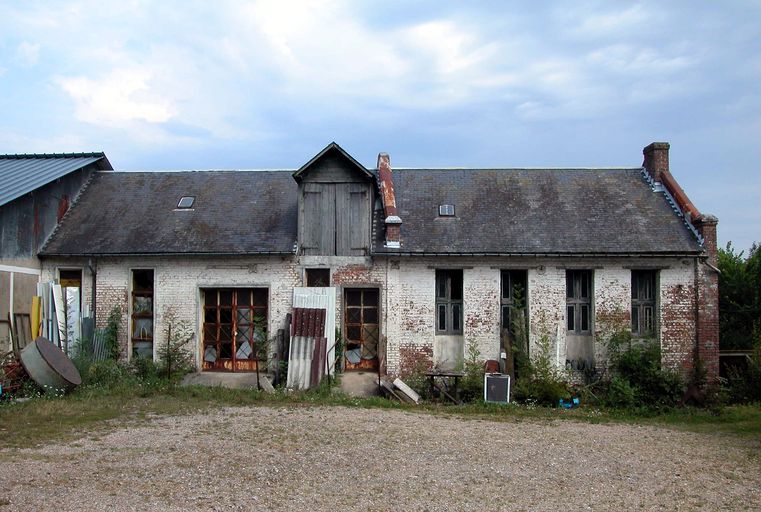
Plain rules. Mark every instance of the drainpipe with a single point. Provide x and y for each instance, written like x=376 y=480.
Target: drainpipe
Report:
x=696 y=355
x=92 y=266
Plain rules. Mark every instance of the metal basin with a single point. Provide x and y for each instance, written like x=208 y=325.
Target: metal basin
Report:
x=48 y=366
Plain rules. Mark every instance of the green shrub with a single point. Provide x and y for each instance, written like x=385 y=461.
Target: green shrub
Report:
x=620 y=393
x=175 y=360
x=143 y=368
x=107 y=373
x=744 y=386
x=472 y=383
x=112 y=330
x=540 y=381
x=638 y=365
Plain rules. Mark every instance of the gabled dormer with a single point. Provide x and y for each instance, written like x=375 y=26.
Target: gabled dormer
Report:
x=335 y=204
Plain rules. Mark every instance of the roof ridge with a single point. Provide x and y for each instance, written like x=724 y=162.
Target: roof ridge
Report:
x=572 y=168
x=167 y=171
x=20 y=156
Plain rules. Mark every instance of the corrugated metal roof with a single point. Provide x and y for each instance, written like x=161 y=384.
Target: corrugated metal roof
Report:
x=21 y=174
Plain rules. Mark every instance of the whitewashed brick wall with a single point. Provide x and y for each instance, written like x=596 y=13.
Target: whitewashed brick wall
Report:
x=407 y=297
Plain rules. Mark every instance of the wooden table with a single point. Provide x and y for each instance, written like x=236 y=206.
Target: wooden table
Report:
x=449 y=380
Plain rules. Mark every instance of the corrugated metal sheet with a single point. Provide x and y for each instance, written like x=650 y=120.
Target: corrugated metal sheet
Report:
x=304 y=334
x=21 y=174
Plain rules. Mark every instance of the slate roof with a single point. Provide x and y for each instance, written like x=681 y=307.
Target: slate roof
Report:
x=498 y=211
x=21 y=174
x=235 y=212
x=536 y=211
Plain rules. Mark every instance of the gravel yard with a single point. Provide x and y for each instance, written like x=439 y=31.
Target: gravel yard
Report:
x=335 y=458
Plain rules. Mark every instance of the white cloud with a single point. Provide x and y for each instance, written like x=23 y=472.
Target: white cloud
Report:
x=630 y=59
x=27 y=54
x=121 y=96
x=588 y=22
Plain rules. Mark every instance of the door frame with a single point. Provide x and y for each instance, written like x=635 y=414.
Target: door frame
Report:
x=344 y=317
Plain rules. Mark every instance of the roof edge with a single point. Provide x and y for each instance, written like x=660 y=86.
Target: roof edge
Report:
x=43 y=254
x=332 y=146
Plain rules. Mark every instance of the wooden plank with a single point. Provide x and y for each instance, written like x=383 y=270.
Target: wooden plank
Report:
x=359 y=230
x=352 y=219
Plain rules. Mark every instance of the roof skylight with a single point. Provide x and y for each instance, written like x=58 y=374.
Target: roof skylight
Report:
x=186 y=202
x=446 y=210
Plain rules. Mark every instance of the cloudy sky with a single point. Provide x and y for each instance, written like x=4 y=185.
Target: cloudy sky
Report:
x=238 y=84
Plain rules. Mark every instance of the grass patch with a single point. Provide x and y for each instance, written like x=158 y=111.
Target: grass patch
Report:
x=94 y=411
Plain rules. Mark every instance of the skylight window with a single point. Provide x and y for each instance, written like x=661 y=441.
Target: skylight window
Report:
x=446 y=210
x=186 y=202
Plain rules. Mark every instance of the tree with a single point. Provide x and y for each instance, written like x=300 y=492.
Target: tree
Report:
x=739 y=298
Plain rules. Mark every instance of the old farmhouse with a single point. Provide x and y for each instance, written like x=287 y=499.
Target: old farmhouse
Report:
x=422 y=262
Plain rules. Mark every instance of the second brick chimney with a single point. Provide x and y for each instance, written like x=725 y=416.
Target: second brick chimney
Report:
x=392 y=221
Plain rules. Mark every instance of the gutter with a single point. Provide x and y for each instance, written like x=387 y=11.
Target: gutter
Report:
x=544 y=254
x=158 y=254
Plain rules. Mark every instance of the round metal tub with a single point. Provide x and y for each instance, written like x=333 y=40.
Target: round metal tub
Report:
x=48 y=366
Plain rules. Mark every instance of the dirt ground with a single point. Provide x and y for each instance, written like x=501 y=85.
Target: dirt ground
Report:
x=335 y=458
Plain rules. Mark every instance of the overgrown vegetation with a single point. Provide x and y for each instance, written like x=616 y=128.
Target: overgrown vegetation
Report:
x=540 y=381
x=739 y=298
x=637 y=379
x=111 y=337
x=472 y=384
x=744 y=385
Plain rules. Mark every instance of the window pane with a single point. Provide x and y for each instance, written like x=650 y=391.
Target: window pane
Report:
x=506 y=324
x=260 y=297
x=210 y=297
x=584 y=318
x=635 y=284
x=225 y=315
x=507 y=286
x=442 y=316
x=225 y=297
x=456 y=284
x=584 y=276
x=647 y=292
x=569 y=284
x=210 y=315
x=353 y=297
x=635 y=319
x=370 y=297
x=441 y=284
x=354 y=333
x=371 y=315
x=649 y=320
x=354 y=315
x=456 y=317
x=569 y=314
x=244 y=316
x=243 y=297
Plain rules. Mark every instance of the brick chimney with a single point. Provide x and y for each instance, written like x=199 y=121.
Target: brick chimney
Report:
x=708 y=299
x=656 y=159
x=392 y=221
x=657 y=164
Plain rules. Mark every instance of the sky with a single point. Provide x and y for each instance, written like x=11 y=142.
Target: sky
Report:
x=268 y=84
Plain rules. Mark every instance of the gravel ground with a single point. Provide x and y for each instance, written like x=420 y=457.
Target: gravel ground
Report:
x=333 y=458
